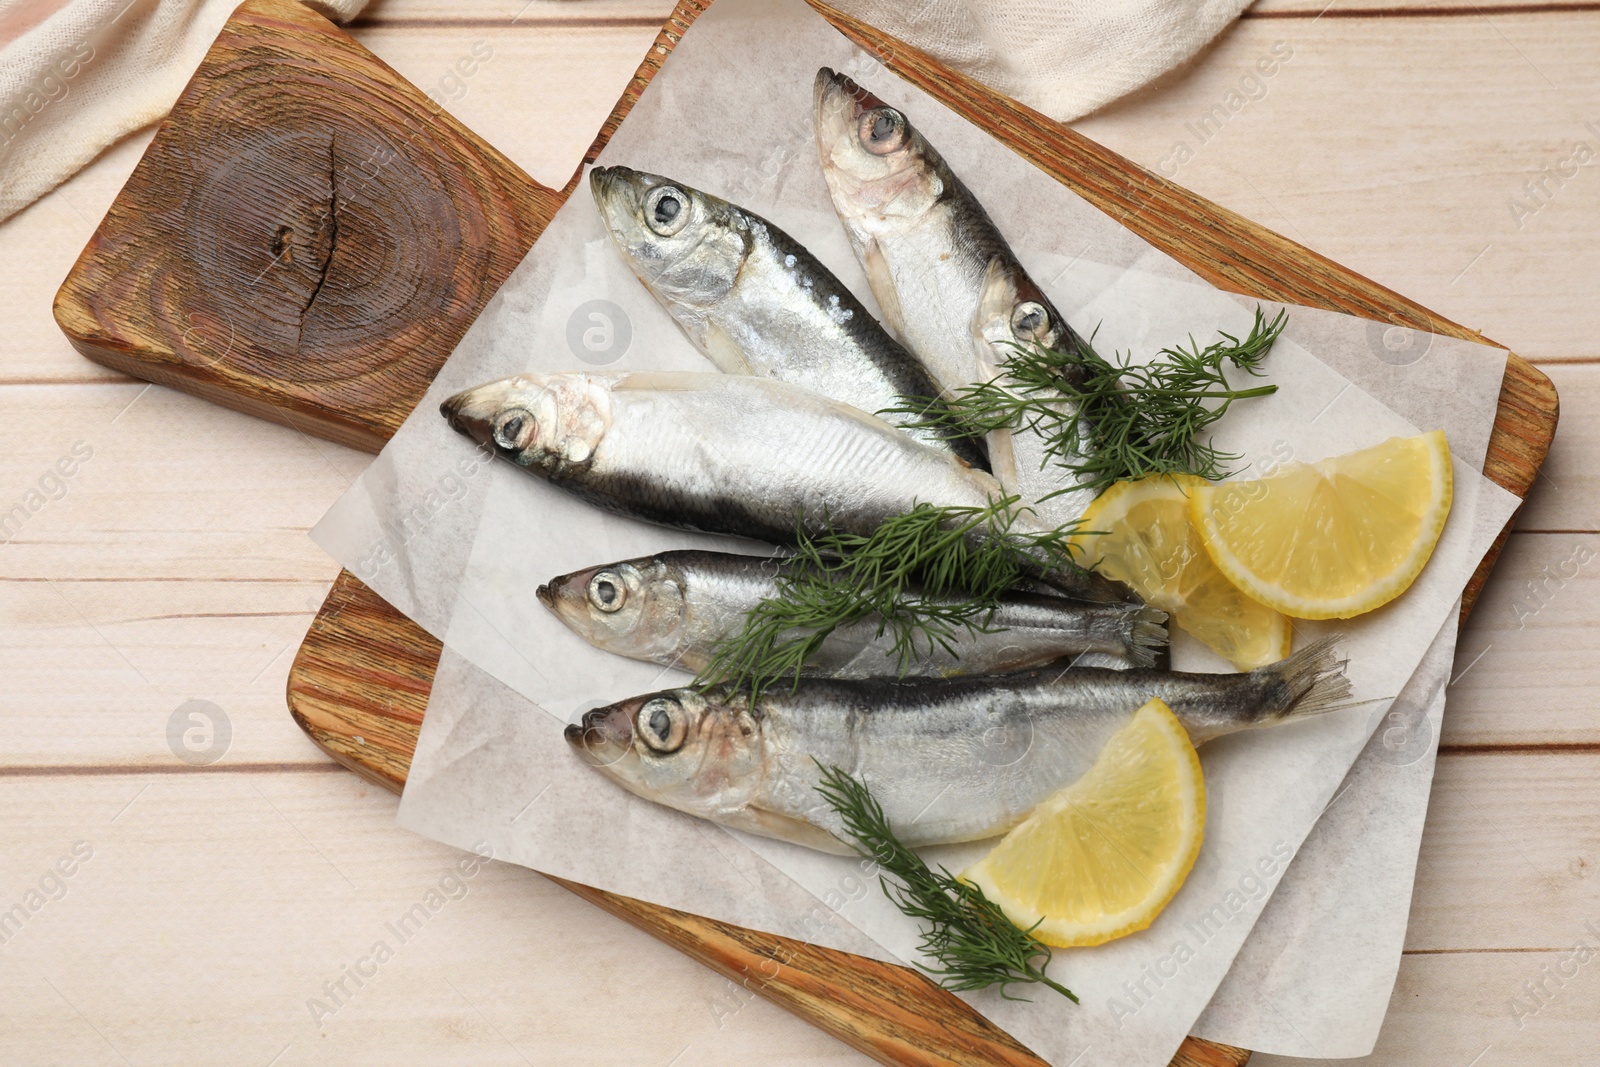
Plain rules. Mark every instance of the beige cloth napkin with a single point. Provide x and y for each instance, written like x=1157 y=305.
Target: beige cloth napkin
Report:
x=1062 y=57
x=75 y=75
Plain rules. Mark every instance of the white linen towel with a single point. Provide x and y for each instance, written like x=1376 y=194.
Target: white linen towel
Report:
x=75 y=75
x=1062 y=57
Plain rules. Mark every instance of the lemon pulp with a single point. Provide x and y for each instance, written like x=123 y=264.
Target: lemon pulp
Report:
x=1102 y=857
x=1335 y=538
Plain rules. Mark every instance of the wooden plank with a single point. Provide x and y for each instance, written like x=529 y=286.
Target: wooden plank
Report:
x=173 y=944
x=160 y=566
x=90 y=469
x=38 y=246
x=1456 y=115
x=485 y=75
x=1456 y=1008
x=95 y=671
x=1567 y=495
x=1502 y=828
x=1525 y=664
x=260 y=929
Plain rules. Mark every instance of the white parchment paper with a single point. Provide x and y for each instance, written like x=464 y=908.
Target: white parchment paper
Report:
x=1315 y=976
x=459 y=543
x=484 y=772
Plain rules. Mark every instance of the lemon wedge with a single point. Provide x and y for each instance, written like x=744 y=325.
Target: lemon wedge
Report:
x=1335 y=538
x=1146 y=540
x=1101 y=858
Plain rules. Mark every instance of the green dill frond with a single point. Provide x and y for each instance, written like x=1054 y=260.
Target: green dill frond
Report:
x=970 y=938
x=927 y=575
x=1109 y=421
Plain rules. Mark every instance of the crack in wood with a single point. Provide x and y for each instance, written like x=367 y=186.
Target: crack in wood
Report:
x=331 y=217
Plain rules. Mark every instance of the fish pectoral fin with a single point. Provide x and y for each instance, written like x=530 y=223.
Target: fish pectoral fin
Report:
x=1003 y=459
x=786 y=828
x=723 y=350
x=881 y=281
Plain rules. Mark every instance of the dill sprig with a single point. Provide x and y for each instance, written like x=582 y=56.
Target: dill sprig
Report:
x=1120 y=420
x=974 y=943
x=927 y=574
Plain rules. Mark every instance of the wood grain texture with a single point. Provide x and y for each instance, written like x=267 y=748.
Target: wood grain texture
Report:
x=307 y=237
x=360 y=683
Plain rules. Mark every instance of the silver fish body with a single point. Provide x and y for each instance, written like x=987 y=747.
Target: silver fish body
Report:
x=728 y=454
x=676 y=608
x=949 y=760
x=753 y=300
x=947 y=281
x=922 y=237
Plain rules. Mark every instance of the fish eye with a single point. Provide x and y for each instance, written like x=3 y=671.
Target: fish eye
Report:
x=511 y=427
x=607 y=591
x=1029 y=320
x=882 y=130
x=662 y=725
x=666 y=210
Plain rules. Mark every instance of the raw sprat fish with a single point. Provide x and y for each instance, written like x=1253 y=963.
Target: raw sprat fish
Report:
x=950 y=760
x=731 y=454
x=676 y=608
x=754 y=301
x=948 y=283
x=924 y=240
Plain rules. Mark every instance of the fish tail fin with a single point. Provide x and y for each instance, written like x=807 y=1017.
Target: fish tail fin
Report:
x=1089 y=587
x=1147 y=635
x=1312 y=682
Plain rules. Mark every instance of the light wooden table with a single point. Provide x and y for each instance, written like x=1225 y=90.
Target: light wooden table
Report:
x=173 y=565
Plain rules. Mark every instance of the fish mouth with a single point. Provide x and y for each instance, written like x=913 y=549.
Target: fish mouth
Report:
x=839 y=96
x=471 y=412
x=603 y=736
x=619 y=193
x=607 y=184
x=567 y=596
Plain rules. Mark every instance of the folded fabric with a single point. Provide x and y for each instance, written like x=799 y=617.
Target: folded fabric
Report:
x=1062 y=57
x=75 y=75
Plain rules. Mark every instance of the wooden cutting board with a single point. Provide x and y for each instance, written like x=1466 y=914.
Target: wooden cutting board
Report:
x=307 y=238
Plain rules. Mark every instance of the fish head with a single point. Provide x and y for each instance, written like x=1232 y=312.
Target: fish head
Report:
x=634 y=608
x=549 y=423
x=880 y=171
x=698 y=752
x=1014 y=314
x=687 y=247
